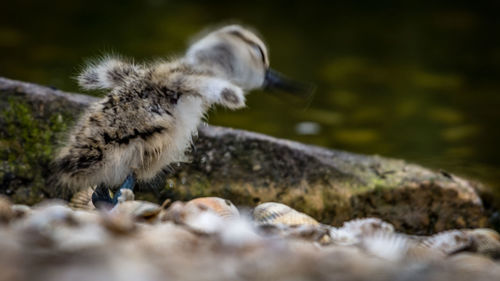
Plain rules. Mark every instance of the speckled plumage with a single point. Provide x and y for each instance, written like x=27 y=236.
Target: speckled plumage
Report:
x=147 y=119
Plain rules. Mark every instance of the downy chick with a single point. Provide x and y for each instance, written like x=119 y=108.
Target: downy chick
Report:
x=147 y=120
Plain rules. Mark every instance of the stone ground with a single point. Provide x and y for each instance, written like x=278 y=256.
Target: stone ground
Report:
x=198 y=240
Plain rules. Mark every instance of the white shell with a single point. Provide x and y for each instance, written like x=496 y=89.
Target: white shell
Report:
x=367 y=227
x=389 y=246
x=125 y=195
x=202 y=220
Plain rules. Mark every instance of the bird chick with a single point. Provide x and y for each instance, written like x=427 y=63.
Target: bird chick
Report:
x=147 y=120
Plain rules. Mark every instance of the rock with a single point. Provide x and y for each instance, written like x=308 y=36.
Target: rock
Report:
x=330 y=185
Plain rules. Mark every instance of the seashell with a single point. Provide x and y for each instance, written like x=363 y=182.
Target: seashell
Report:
x=222 y=207
x=396 y=247
x=125 y=195
x=343 y=237
x=207 y=215
x=367 y=227
x=174 y=213
x=418 y=252
x=485 y=241
x=448 y=242
x=20 y=210
x=83 y=199
x=6 y=212
x=389 y=246
x=277 y=213
x=281 y=220
x=203 y=221
x=196 y=217
x=316 y=233
x=138 y=210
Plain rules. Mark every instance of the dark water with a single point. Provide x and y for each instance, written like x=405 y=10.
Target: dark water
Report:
x=418 y=81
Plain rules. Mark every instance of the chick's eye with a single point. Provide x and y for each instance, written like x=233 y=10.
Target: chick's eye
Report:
x=258 y=51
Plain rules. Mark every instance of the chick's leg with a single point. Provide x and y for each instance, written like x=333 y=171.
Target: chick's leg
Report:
x=102 y=198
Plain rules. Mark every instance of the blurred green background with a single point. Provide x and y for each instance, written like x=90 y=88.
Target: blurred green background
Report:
x=416 y=80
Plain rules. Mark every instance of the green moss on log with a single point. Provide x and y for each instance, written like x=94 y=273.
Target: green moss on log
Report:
x=27 y=145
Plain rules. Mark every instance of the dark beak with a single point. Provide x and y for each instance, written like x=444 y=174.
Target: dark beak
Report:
x=276 y=81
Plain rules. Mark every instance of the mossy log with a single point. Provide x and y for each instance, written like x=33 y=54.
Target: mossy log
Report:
x=246 y=168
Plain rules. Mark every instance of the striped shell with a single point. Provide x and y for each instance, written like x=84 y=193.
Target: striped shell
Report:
x=448 y=242
x=397 y=247
x=82 y=199
x=221 y=207
x=277 y=213
x=385 y=245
